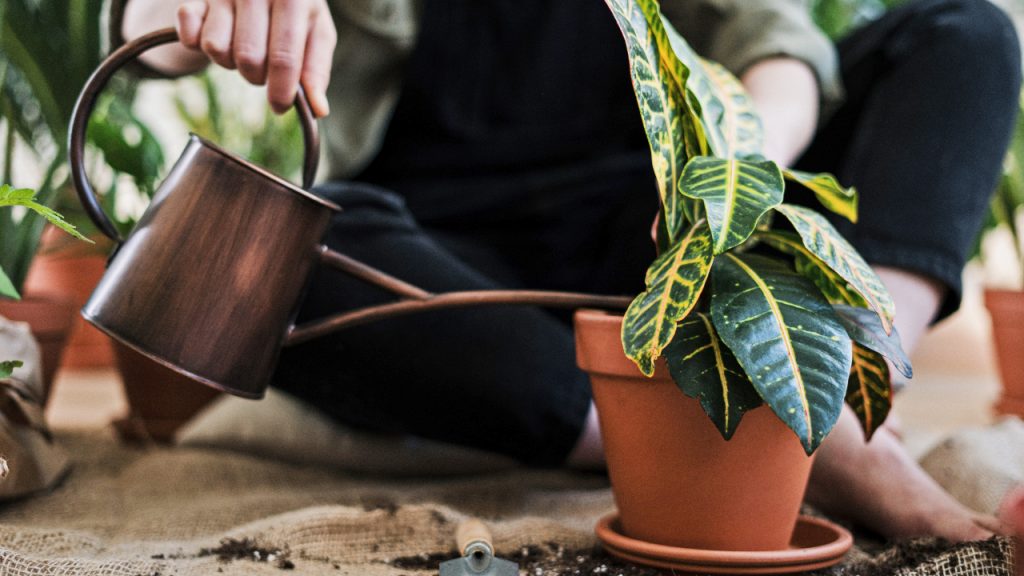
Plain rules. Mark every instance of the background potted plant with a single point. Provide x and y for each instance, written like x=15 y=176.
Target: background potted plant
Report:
x=50 y=328
x=751 y=301
x=47 y=50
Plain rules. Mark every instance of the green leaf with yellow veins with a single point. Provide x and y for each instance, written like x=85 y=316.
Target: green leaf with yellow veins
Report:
x=705 y=369
x=736 y=194
x=869 y=391
x=831 y=194
x=787 y=338
x=659 y=80
x=825 y=242
x=674 y=283
x=835 y=289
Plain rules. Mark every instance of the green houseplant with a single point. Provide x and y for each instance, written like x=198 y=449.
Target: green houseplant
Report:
x=751 y=301
x=47 y=50
x=25 y=200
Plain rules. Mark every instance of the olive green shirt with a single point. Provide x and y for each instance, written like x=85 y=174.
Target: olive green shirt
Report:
x=376 y=37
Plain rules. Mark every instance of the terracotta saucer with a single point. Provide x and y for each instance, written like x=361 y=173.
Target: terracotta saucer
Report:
x=816 y=544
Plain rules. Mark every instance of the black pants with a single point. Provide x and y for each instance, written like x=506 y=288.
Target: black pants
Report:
x=932 y=93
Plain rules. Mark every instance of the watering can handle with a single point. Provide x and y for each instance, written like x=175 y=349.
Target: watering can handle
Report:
x=96 y=83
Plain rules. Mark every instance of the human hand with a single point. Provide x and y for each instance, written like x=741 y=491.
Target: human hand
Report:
x=279 y=43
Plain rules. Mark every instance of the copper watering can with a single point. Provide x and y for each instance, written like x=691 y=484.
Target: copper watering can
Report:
x=209 y=281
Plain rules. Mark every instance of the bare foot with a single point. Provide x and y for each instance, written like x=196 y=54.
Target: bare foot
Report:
x=1011 y=512
x=879 y=486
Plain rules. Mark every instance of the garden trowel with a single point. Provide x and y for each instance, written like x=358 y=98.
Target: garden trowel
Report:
x=474 y=541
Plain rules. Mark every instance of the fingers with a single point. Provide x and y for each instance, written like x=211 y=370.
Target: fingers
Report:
x=218 y=29
x=276 y=42
x=190 y=17
x=285 y=53
x=252 y=24
x=316 y=69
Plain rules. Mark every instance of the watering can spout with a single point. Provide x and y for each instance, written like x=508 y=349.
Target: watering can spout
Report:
x=414 y=300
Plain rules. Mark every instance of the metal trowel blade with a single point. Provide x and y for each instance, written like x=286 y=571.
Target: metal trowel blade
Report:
x=463 y=567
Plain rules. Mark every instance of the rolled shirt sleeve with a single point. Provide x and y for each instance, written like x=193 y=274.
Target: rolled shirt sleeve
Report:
x=739 y=33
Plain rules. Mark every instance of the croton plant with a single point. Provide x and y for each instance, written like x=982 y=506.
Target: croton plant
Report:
x=751 y=300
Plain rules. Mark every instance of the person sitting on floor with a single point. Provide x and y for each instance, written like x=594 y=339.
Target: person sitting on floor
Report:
x=496 y=143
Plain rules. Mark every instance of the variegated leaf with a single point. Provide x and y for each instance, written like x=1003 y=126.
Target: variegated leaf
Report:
x=865 y=329
x=739 y=125
x=832 y=286
x=787 y=338
x=705 y=105
x=870 y=390
x=705 y=369
x=736 y=194
x=825 y=242
x=659 y=80
x=674 y=282
x=830 y=192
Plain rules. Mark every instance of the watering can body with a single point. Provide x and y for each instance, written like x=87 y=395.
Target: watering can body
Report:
x=208 y=280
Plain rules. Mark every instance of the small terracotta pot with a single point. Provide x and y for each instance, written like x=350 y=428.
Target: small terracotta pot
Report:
x=1006 y=308
x=50 y=320
x=676 y=482
x=73 y=276
x=160 y=399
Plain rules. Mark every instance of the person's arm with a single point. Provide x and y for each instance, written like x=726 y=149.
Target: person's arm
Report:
x=785 y=93
x=279 y=43
x=788 y=66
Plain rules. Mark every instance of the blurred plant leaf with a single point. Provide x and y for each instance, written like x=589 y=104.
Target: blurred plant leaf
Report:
x=831 y=194
x=7 y=288
x=865 y=329
x=7 y=367
x=10 y=196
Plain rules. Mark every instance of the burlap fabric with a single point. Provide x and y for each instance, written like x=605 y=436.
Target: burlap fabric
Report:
x=980 y=465
x=146 y=511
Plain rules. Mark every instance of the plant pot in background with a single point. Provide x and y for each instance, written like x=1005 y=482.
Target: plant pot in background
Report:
x=1006 y=308
x=50 y=320
x=676 y=481
x=71 y=272
x=160 y=399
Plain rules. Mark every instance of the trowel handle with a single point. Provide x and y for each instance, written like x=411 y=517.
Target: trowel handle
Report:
x=473 y=532
x=87 y=99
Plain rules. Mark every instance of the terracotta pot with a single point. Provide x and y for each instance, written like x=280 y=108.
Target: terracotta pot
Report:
x=160 y=399
x=50 y=320
x=676 y=482
x=72 y=275
x=1006 y=308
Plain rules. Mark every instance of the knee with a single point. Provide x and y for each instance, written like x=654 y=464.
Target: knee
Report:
x=980 y=32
